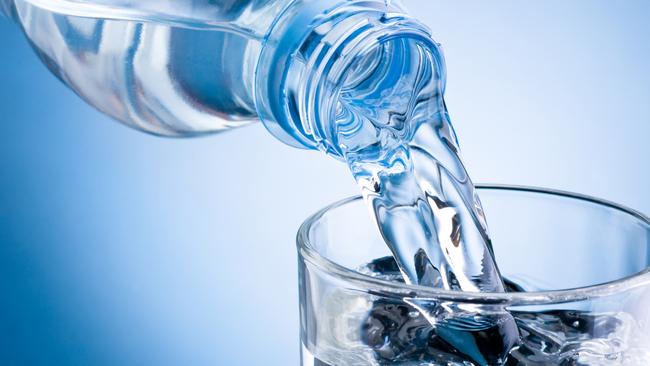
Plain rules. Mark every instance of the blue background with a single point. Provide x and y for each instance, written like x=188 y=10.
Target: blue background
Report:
x=119 y=248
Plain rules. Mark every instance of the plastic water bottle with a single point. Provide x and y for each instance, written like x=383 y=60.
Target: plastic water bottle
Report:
x=190 y=67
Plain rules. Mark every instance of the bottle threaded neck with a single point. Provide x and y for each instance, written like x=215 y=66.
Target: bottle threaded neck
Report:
x=306 y=62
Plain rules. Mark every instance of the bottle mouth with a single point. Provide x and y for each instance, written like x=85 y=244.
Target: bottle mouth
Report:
x=372 y=75
x=299 y=93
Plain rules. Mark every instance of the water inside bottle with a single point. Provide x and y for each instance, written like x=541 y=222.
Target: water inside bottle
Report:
x=158 y=66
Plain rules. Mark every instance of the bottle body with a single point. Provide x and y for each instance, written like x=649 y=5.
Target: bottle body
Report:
x=169 y=68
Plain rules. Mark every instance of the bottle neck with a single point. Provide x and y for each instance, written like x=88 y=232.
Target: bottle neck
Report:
x=315 y=49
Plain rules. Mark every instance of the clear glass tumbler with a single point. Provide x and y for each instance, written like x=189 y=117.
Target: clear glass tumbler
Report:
x=577 y=270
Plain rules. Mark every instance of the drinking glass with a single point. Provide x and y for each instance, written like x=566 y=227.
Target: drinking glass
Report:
x=576 y=269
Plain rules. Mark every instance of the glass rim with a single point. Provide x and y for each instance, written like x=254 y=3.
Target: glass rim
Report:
x=400 y=290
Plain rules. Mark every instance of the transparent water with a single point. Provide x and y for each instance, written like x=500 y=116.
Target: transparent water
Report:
x=400 y=146
x=396 y=333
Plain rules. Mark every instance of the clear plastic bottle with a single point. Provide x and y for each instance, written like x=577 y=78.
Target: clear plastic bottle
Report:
x=190 y=67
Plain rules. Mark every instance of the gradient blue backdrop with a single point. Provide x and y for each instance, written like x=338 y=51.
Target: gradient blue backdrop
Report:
x=118 y=248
